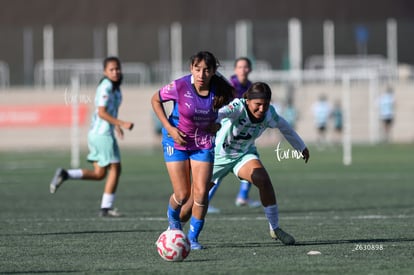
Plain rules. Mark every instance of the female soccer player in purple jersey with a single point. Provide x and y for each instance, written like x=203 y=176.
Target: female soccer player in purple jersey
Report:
x=188 y=137
x=240 y=79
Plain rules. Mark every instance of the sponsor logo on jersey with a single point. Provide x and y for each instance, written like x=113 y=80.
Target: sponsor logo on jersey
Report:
x=188 y=94
x=201 y=111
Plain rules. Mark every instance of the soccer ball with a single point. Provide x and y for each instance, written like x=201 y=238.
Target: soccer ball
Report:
x=173 y=245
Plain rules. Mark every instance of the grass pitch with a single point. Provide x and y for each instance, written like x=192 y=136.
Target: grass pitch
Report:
x=360 y=217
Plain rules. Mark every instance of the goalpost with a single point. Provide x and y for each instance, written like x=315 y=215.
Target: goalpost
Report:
x=75 y=144
x=373 y=124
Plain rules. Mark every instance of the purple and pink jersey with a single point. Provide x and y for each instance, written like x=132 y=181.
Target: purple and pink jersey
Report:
x=239 y=88
x=192 y=114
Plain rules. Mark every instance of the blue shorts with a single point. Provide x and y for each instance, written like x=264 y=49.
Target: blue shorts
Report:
x=171 y=154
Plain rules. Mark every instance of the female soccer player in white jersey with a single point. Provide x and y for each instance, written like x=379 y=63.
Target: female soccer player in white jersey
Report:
x=241 y=83
x=243 y=121
x=103 y=147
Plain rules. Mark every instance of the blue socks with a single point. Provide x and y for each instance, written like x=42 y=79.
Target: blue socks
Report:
x=174 y=217
x=272 y=214
x=244 y=189
x=196 y=226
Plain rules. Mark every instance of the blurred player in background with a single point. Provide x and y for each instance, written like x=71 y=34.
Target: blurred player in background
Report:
x=321 y=113
x=102 y=143
x=241 y=83
x=290 y=113
x=337 y=117
x=243 y=121
x=188 y=137
x=386 y=106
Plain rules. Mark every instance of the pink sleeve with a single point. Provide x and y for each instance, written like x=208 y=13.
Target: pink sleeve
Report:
x=169 y=92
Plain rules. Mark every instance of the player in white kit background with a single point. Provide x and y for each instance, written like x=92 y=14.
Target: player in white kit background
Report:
x=103 y=147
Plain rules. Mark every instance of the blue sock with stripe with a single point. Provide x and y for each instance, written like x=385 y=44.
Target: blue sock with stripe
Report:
x=196 y=226
x=244 y=189
x=174 y=217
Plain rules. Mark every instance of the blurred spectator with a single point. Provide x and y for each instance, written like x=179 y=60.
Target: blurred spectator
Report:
x=290 y=113
x=321 y=113
x=338 y=121
x=387 y=106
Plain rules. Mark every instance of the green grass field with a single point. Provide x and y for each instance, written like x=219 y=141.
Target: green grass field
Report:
x=360 y=217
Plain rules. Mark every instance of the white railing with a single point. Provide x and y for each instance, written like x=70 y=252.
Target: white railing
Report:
x=89 y=72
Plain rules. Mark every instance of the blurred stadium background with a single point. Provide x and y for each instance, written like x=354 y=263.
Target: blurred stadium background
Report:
x=51 y=53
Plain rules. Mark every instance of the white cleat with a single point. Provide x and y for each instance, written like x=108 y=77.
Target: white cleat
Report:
x=60 y=176
x=247 y=202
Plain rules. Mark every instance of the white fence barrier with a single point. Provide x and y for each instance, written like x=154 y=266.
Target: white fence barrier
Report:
x=89 y=71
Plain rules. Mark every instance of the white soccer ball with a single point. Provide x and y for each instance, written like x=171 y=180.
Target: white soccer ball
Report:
x=173 y=245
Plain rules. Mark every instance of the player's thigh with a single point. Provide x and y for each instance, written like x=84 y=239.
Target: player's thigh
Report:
x=254 y=172
x=179 y=172
x=201 y=172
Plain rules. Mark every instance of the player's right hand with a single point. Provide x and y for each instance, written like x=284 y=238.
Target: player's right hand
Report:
x=177 y=135
x=127 y=125
x=306 y=155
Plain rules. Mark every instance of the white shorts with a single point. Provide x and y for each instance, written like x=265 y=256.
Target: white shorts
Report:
x=222 y=170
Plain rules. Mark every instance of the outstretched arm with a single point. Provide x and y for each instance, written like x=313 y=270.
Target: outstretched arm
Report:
x=293 y=138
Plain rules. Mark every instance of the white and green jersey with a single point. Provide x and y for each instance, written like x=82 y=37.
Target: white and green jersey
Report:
x=107 y=97
x=238 y=133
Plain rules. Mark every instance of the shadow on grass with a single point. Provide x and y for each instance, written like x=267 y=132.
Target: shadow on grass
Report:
x=83 y=232
x=86 y=271
x=306 y=243
x=354 y=241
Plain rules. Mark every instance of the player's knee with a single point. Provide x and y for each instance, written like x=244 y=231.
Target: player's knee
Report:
x=260 y=178
x=100 y=174
x=181 y=198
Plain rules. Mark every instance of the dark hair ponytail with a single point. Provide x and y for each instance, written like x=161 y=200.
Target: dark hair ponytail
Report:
x=223 y=89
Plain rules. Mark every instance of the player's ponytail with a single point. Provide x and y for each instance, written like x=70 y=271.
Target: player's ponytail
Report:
x=223 y=91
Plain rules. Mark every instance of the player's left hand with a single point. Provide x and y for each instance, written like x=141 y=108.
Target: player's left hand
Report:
x=306 y=155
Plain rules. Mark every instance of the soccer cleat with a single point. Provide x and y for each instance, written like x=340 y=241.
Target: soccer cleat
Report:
x=195 y=245
x=284 y=237
x=109 y=213
x=60 y=176
x=213 y=210
x=247 y=202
